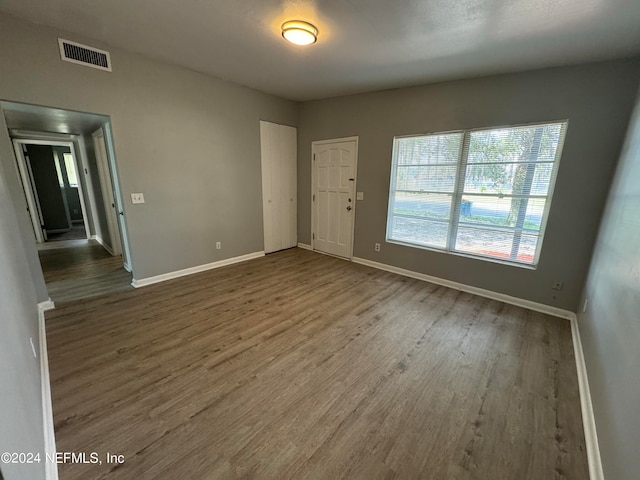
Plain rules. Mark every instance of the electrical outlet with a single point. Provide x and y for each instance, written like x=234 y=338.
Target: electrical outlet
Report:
x=557 y=285
x=376 y=247
x=218 y=245
x=137 y=198
x=359 y=195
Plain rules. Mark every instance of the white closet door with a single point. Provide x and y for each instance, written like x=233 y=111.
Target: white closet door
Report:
x=265 y=154
x=278 y=145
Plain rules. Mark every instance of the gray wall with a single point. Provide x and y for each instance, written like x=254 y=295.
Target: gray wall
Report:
x=20 y=401
x=610 y=328
x=73 y=200
x=596 y=98
x=189 y=142
x=9 y=174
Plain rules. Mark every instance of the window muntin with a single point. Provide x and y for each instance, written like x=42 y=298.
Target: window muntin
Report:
x=479 y=192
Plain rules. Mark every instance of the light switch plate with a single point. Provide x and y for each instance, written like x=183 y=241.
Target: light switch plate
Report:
x=359 y=195
x=137 y=198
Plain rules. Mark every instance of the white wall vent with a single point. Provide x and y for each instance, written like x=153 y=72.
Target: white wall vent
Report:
x=84 y=55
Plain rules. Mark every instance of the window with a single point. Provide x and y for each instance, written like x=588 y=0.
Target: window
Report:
x=70 y=167
x=479 y=192
x=56 y=159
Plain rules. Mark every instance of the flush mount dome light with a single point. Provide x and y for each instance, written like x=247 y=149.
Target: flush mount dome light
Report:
x=299 y=32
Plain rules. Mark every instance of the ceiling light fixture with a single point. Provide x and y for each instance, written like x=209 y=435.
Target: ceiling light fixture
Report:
x=299 y=32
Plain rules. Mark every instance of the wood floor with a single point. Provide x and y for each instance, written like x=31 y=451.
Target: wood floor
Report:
x=299 y=365
x=77 y=232
x=82 y=271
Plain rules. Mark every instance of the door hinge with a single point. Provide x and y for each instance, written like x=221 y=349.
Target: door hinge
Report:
x=314 y=198
x=313 y=236
x=314 y=156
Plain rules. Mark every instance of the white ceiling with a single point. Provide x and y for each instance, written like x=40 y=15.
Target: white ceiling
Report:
x=363 y=45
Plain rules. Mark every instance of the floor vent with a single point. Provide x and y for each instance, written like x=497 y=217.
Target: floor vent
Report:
x=84 y=55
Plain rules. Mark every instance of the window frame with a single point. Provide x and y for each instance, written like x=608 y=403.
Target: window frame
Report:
x=453 y=223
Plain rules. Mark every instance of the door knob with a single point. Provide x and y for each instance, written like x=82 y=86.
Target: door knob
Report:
x=349 y=208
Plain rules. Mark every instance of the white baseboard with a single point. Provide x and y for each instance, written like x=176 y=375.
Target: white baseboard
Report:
x=51 y=468
x=189 y=271
x=101 y=242
x=588 y=419
x=305 y=246
x=46 y=305
x=538 y=307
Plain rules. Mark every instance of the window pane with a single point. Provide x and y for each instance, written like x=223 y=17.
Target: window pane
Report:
x=428 y=205
x=497 y=244
x=537 y=143
x=527 y=248
x=502 y=212
x=71 y=169
x=535 y=212
x=508 y=178
x=426 y=178
x=419 y=232
x=58 y=171
x=428 y=149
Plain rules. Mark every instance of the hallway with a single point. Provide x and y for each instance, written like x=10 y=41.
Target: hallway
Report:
x=82 y=271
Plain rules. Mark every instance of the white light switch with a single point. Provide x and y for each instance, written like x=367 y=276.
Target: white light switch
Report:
x=137 y=198
x=359 y=195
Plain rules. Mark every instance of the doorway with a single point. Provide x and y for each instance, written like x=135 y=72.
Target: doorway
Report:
x=333 y=195
x=55 y=197
x=66 y=166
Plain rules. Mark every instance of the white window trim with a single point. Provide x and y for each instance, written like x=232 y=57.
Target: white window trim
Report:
x=458 y=192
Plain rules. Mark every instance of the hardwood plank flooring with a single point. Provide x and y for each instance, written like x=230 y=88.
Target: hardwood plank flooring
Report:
x=82 y=271
x=299 y=365
x=76 y=232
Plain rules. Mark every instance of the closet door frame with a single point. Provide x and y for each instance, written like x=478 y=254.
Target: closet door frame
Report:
x=278 y=153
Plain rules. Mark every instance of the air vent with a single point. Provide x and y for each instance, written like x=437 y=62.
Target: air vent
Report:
x=84 y=55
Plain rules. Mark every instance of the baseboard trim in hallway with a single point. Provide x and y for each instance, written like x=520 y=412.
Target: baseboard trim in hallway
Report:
x=101 y=242
x=190 y=271
x=51 y=468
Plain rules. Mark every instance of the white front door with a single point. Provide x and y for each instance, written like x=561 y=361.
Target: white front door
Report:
x=334 y=171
